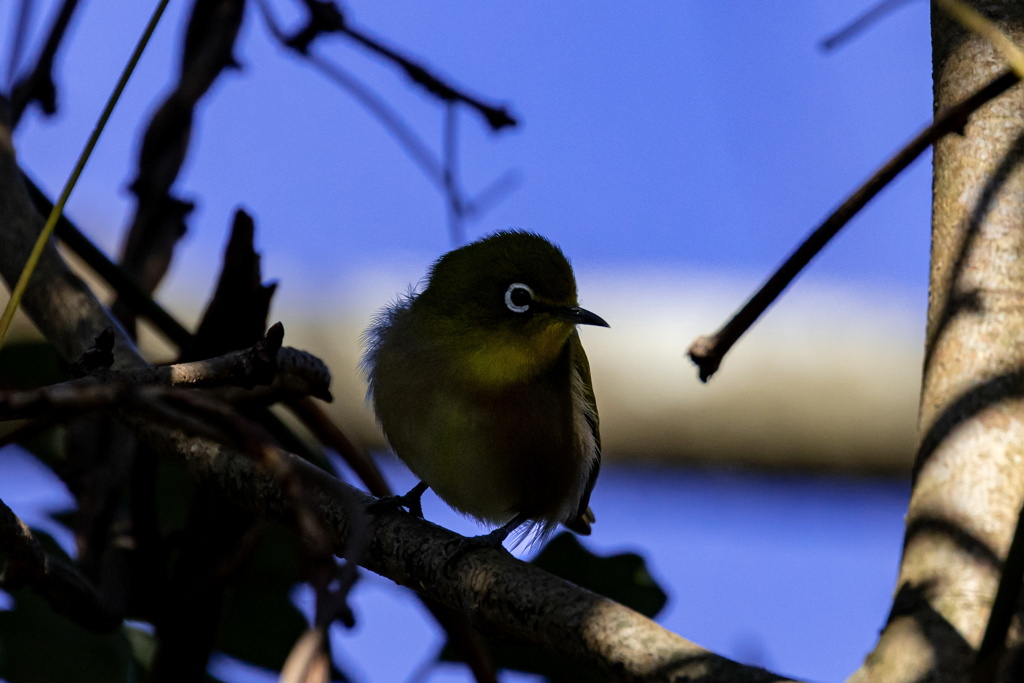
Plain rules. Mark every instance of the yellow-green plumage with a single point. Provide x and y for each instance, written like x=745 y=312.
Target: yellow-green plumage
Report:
x=482 y=387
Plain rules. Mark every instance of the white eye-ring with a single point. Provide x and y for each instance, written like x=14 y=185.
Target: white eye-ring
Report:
x=518 y=297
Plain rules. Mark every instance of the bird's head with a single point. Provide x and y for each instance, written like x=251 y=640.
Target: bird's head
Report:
x=506 y=305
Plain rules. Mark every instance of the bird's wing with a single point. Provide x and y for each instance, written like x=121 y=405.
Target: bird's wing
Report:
x=584 y=516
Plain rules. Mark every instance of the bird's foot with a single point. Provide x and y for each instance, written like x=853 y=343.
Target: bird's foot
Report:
x=493 y=540
x=410 y=501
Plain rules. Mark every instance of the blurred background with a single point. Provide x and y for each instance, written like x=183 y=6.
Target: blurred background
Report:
x=676 y=152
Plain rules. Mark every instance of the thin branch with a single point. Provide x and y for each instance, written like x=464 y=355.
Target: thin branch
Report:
x=857 y=26
x=451 y=181
x=707 y=352
x=246 y=368
x=328 y=433
x=311 y=414
x=159 y=219
x=327 y=17
x=39 y=86
x=492 y=194
x=389 y=118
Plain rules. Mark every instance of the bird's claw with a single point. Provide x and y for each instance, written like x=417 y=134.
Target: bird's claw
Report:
x=410 y=501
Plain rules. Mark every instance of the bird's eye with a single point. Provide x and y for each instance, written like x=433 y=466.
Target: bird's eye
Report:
x=518 y=297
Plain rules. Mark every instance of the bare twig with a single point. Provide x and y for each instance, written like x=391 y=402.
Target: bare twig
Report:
x=451 y=180
x=159 y=219
x=327 y=17
x=857 y=26
x=707 y=352
x=38 y=85
x=245 y=368
x=389 y=118
x=331 y=435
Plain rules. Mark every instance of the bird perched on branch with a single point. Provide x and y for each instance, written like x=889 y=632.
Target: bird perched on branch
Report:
x=482 y=387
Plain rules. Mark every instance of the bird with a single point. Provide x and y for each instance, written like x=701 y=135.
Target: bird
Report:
x=481 y=386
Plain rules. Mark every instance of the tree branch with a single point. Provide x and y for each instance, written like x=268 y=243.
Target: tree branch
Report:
x=38 y=86
x=58 y=302
x=245 y=368
x=707 y=352
x=500 y=593
x=159 y=220
x=327 y=17
x=968 y=483
x=127 y=289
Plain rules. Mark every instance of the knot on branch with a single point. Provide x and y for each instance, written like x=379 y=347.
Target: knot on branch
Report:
x=263 y=356
x=99 y=357
x=706 y=355
x=324 y=17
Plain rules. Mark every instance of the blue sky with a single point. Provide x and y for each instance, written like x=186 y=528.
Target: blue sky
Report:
x=686 y=135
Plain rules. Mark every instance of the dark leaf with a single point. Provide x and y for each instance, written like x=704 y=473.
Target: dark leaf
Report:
x=36 y=644
x=260 y=624
x=623 y=578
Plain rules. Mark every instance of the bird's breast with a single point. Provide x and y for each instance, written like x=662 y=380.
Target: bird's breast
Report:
x=489 y=446
x=505 y=358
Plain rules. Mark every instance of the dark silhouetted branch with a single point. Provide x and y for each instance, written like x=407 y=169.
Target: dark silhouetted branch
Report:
x=328 y=433
x=871 y=16
x=327 y=17
x=707 y=352
x=38 y=86
x=126 y=288
x=159 y=220
x=266 y=363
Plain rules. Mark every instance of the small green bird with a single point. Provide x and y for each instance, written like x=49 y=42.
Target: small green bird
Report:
x=482 y=387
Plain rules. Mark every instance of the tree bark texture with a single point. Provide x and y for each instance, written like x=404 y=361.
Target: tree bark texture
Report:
x=969 y=472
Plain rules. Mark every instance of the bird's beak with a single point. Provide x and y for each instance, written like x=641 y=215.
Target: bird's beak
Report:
x=580 y=316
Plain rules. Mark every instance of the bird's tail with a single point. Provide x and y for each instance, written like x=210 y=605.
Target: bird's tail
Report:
x=581 y=524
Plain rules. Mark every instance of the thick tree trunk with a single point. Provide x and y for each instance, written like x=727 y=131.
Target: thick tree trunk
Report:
x=969 y=472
